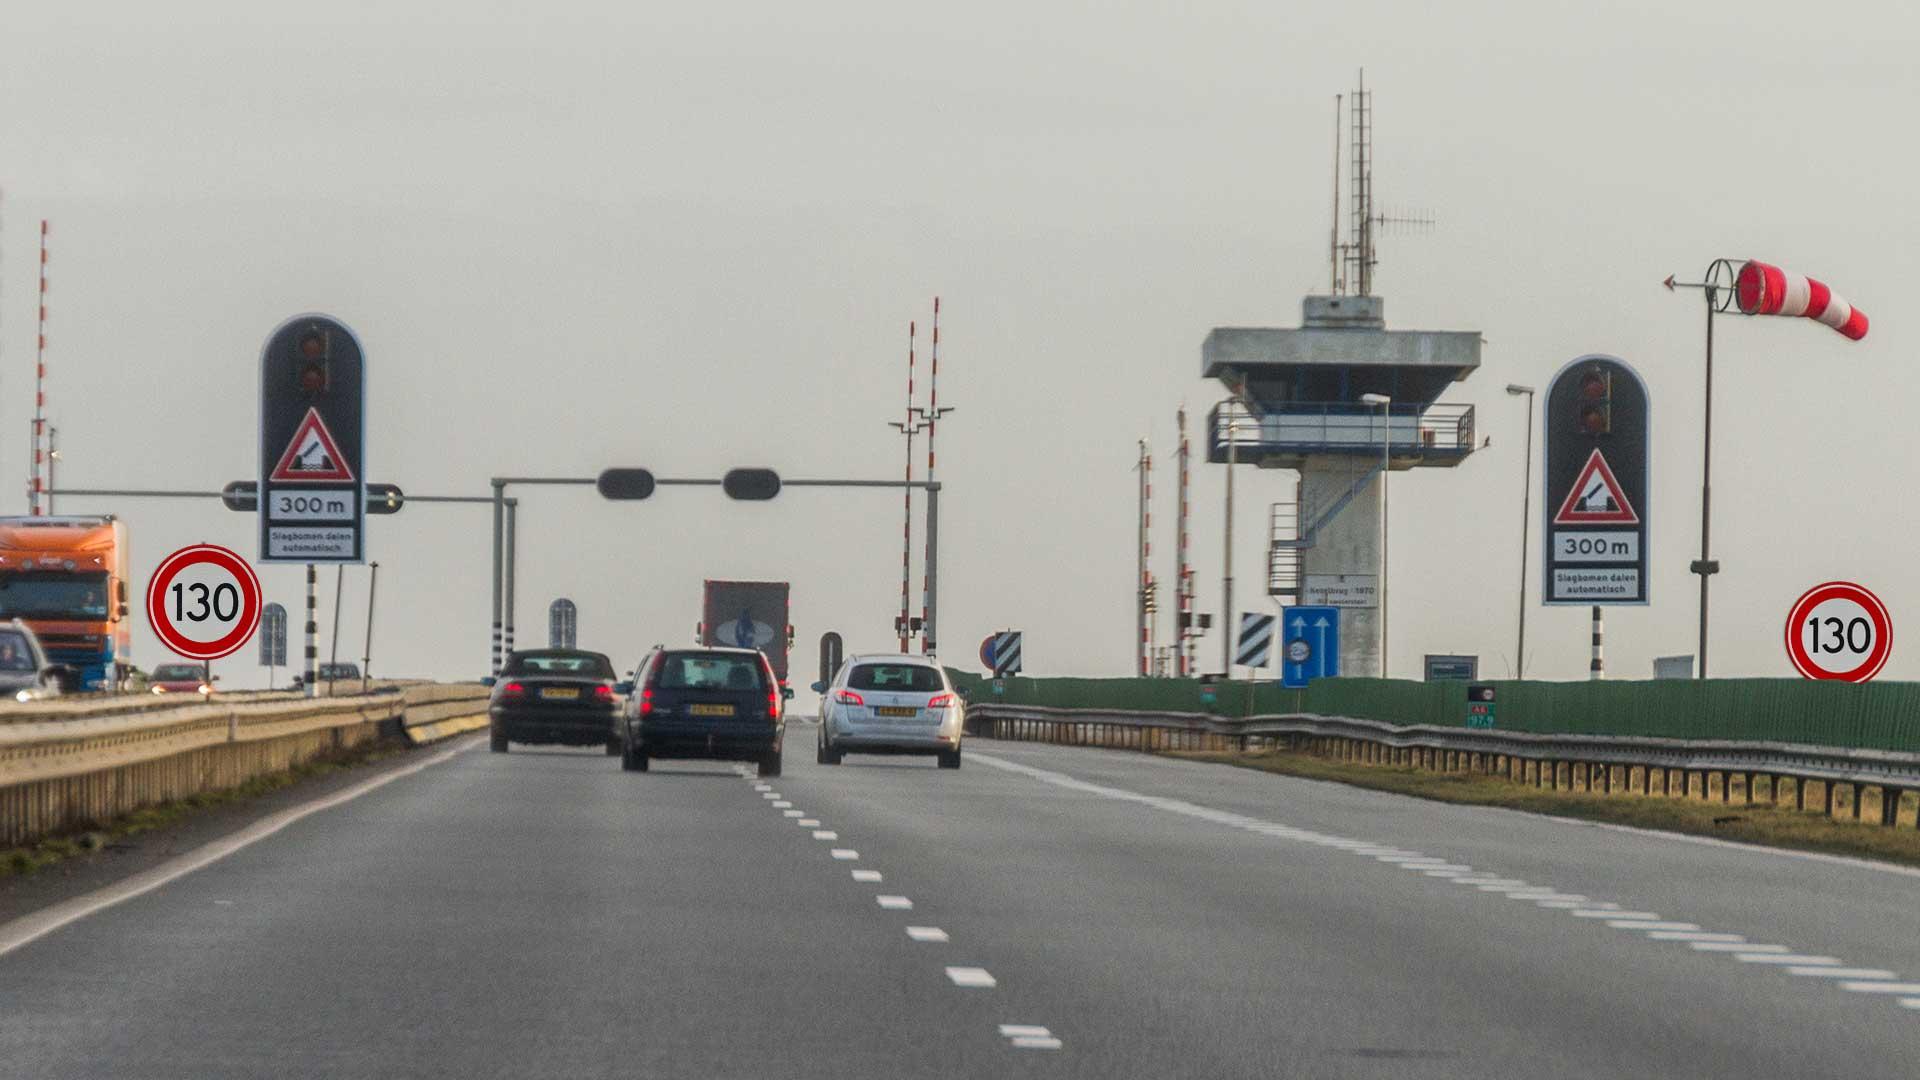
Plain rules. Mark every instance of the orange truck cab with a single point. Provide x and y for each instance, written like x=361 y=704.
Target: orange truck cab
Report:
x=66 y=578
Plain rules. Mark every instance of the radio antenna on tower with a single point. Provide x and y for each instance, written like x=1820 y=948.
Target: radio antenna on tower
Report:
x=1353 y=261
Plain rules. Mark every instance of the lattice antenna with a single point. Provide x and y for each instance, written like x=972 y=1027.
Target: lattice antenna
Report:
x=1354 y=260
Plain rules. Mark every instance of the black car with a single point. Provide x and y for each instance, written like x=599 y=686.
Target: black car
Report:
x=565 y=696
x=722 y=704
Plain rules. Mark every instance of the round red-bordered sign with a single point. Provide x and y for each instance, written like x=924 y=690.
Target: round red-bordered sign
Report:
x=1839 y=630
x=175 y=622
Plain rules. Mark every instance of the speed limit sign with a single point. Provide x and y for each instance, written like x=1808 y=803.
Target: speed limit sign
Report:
x=203 y=602
x=1839 y=630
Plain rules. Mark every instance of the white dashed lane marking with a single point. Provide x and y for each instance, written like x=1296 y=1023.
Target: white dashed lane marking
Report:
x=971 y=976
x=781 y=804
x=845 y=854
x=1654 y=926
x=825 y=834
x=926 y=933
x=1029 y=1037
x=866 y=875
x=808 y=823
x=793 y=813
x=894 y=903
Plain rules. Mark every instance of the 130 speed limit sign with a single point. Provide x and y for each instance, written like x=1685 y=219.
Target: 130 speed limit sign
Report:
x=203 y=602
x=1839 y=631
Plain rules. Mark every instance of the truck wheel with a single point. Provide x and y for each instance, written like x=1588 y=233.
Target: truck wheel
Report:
x=949 y=759
x=770 y=763
x=498 y=743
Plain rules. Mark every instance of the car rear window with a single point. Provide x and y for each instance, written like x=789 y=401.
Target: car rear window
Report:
x=710 y=671
x=915 y=678
x=585 y=665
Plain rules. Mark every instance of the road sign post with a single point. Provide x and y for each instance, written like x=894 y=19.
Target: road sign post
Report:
x=203 y=602
x=1839 y=631
x=1595 y=479
x=311 y=496
x=1310 y=645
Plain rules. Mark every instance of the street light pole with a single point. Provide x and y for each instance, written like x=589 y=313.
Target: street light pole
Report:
x=1526 y=523
x=1228 y=624
x=1386 y=438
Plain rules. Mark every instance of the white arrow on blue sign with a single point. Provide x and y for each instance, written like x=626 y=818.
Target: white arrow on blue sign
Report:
x=1310 y=645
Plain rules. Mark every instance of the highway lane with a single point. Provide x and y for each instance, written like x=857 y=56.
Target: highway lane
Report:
x=544 y=914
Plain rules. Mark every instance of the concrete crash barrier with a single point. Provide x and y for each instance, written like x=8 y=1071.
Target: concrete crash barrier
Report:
x=72 y=767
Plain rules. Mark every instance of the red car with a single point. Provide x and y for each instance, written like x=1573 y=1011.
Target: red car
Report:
x=180 y=679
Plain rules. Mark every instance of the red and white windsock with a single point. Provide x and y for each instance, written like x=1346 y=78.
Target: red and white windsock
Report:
x=1764 y=289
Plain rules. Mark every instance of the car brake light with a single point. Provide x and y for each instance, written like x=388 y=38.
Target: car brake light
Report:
x=939 y=701
x=848 y=697
x=513 y=688
x=603 y=693
x=646 y=701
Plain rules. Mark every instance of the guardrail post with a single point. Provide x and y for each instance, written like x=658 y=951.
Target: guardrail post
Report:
x=1856 y=790
x=1889 y=804
x=1826 y=791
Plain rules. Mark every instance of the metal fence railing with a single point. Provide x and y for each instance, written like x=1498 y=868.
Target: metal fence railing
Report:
x=1557 y=761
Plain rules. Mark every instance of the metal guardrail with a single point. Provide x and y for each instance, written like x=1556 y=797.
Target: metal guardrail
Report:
x=1509 y=753
x=78 y=763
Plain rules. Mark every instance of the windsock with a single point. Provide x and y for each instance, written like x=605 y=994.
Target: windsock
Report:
x=1764 y=289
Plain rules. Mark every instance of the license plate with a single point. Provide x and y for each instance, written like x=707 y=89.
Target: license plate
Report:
x=895 y=710
x=709 y=710
x=560 y=692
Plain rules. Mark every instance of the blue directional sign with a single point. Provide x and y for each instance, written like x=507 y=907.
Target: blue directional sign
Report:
x=1310 y=645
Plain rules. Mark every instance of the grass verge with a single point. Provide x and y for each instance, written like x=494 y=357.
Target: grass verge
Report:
x=1773 y=826
x=34 y=858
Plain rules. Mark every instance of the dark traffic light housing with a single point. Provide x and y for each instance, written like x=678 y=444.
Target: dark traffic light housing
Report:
x=625 y=484
x=312 y=371
x=751 y=484
x=1596 y=401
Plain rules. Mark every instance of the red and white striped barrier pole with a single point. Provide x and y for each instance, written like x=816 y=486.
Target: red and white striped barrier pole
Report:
x=36 y=483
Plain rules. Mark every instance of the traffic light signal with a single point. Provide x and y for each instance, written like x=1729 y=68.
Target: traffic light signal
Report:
x=385 y=498
x=311 y=352
x=625 y=484
x=751 y=484
x=1596 y=401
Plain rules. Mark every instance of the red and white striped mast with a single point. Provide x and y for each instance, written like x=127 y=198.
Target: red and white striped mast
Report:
x=908 y=427
x=36 y=484
x=1183 y=573
x=930 y=416
x=1146 y=605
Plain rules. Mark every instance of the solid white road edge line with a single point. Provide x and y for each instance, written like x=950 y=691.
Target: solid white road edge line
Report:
x=30 y=928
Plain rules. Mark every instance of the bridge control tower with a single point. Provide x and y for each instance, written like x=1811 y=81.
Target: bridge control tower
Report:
x=1339 y=400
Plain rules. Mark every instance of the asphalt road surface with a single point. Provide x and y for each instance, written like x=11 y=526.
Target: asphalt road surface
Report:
x=1073 y=913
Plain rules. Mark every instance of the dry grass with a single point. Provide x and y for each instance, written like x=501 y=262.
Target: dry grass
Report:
x=1759 y=823
x=34 y=858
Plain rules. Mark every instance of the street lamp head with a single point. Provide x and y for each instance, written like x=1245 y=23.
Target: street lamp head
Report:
x=1375 y=399
x=1516 y=389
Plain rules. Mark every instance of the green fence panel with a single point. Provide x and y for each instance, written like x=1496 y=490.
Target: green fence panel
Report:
x=1880 y=716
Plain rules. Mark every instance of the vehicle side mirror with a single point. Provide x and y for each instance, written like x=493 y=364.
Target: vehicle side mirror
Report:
x=214 y=678
x=488 y=681
x=819 y=688
x=123 y=609
x=786 y=692
x=623 y=687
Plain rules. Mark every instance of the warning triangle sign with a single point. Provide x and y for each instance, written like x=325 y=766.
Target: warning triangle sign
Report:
x=312 y=455
x=1596 y=498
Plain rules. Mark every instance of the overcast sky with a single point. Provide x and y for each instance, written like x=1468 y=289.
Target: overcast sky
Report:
x=691 y=237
